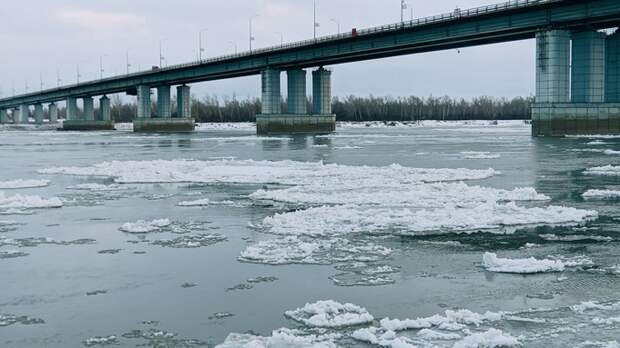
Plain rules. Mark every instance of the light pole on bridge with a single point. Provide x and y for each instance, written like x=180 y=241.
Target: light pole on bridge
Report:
x=252 y=38
x=200 y=48
x=337 y=24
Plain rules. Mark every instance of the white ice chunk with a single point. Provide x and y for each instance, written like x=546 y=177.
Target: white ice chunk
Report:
x=530 y=265
x=28 y=201
x=608 y=170
x=489 y=339
x=601 y=194
x=281 y=338
x=142 y=226
x=18 y=184
x=330 y=313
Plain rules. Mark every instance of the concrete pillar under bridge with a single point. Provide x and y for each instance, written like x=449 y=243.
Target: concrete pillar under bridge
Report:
x=53 y=112
x=4 y=116
x=590 y=105
x=23 y=114
x=89 y=123
x=38 y=114
x=296 y=119
x=164 y=123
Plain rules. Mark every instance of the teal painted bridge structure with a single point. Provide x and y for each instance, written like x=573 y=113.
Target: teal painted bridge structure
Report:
x=562 y=89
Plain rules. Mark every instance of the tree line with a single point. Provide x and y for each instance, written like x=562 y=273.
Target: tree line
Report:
x=352 y=108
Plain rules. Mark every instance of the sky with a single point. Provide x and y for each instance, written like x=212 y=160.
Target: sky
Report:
x=45 y=40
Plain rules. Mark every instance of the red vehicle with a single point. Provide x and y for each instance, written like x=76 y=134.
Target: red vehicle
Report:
x=354 y=32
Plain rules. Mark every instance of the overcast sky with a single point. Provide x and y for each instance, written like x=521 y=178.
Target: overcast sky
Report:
x=43 y=37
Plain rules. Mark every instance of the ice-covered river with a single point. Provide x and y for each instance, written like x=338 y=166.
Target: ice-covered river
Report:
x=429 y=235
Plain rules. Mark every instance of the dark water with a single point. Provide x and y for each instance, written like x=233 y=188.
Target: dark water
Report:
x=399 y=242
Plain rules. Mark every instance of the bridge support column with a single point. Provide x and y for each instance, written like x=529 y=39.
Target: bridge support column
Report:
x=38 y=113
x=321 y=92
x=163 y=124
x=297 y=119
x=104 y=109
x=592 y=108
x=88 y=123
x=72 y=109
x=183 y=102
x=297 y=104
x=24 y=114
x=271 y=97
x=3 y=116
x=163 y=102
x=144 y=102
x=53 y=112
x=588 y=67
x=89 y=109
x=612 y=68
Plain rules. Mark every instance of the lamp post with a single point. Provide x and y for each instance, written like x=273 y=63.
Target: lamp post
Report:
x=337 y=24
x=403 y=7
x=101 y=70
x=281 y=37
x=127 y=65
x=234 y=44
x=315 y=23
x=251 y=36
x=58 y=80
x=200 y=48
x=161 y=55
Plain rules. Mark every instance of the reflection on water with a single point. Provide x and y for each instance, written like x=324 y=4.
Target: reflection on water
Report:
x=251 y=228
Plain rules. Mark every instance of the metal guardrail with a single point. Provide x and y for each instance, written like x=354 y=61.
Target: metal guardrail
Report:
x=446 y=17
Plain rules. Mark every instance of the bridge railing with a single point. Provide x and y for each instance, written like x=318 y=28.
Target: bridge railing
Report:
x=446 y=17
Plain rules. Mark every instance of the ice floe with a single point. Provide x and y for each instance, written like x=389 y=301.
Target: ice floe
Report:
x=479 y=155
x=103 y=341
x=592 y=194
x=488 y=339
x=20 y=183
x=96 y=187
x=334 y=220
x=493 y=263
x=279 y=338
x=262 y=172
x=330 y=314
x=19 y=201
x=607 y=170
x=11 y=254
x=142 y=226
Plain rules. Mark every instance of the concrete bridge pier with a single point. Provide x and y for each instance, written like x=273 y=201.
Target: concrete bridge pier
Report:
x=72 y=109
x=52 y=110
x=183 y=102
x=38 y=114
x=89 y=108
x=23 y=114
x=296 y=119
x=88 y=123
x=105 y=112
x=579 y=96
x=163 y=123
x=4 y=116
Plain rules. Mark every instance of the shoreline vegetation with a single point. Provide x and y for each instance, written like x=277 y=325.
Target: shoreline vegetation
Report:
x=213 y=109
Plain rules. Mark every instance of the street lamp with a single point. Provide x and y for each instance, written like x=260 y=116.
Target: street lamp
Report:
x=337 y=24
x=403 y=7
x=281 y=37
x=127 y=65
x=315 y=23
x=161 y=56
x=58 y=80
x=234 y=44
x=251 y=37
x=77 y=69
x=200 y=48
x=101 y=70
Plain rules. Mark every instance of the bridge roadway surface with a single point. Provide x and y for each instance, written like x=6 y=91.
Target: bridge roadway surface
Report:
x=510 y=21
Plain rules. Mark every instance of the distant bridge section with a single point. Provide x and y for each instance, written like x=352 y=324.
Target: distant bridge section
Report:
x=510 y=21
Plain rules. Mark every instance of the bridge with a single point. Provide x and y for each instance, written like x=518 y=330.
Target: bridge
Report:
x=577 y=86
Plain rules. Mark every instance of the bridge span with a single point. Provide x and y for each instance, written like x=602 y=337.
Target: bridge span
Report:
x=577 y=85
